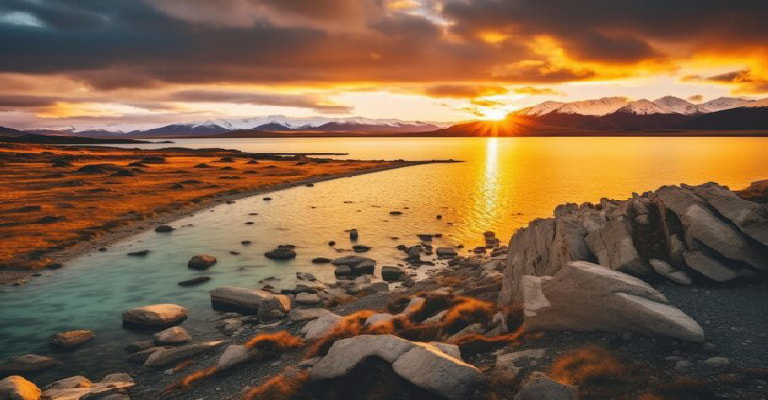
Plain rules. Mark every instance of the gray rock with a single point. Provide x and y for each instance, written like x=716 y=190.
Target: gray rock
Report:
x=391 y=274
x=252 y=301
x=307 y=314
x=281 y=253
x=155 y=316
x=422 y=364
x=173 y=355
x=717 y=361
x=27 y=363
x=17 y=388
x=749 y=217
x=614 y=247
x=701 y=225
x=664 y=269
x=172 y=336
x=320 y=326
x=201 y=262
x=446 y=252
x=308 y=298
x=235 y=354
x=70 y=339
x=72 y=382
x=589 y=297
x=357 y=265
x=540 y=387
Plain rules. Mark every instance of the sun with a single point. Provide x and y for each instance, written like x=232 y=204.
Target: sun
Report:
x=494 y=114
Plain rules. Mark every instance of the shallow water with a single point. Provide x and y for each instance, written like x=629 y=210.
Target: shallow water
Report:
x=503 y=184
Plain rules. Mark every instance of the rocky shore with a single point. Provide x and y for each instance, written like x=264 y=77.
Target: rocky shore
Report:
x=145 y=188
x=661 y=296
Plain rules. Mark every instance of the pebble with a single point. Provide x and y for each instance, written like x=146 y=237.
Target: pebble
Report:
x=717 y=361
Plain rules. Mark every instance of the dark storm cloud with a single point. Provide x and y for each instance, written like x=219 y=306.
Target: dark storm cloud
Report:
x=261 y=99
x=112 y=44
x=744 y=81
x=618 y=30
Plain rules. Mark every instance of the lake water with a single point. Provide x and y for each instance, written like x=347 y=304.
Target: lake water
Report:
x=503 y=184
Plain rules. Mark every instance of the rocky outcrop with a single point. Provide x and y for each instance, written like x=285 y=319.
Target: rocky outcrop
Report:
x=683 y=234
x=589 y=297
x=252 y=301
x=422 y=364
x=17 y=388
x=155 y=316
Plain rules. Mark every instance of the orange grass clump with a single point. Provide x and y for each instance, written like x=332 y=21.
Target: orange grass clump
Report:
x=276 y=342
x=349 y=326
x=584 y=364
x=187 y=381
x=283 y=386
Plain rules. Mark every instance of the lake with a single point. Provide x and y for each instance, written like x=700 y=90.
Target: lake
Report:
x=502 y=184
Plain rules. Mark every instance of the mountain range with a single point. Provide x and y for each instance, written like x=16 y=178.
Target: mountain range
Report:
x=617 y=114
x=602 y=116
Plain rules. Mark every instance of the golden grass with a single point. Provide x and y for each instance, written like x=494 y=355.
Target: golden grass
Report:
x=76 y=208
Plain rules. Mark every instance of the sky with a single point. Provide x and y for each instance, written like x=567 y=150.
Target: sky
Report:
x=131 y=64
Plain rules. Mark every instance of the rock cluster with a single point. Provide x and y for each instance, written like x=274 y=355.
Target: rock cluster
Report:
x=679 y=233
x=422 y=364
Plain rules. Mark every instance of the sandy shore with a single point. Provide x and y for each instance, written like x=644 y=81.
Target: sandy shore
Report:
x=62 y=202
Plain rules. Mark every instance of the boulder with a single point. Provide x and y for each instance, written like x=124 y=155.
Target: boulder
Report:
x=155 y=316
x=320 y=326
x=69 y=389
x=27 y=363
x=171 y=356
x=421 y=364
x=390 y=274
x=446 y=252
x=540 y=387
x=664 y=269
x=357 y=265
x=250 y=301
x=614 y=247
x=307 y=314
x=201 y=262
x=235 y=354
x=705 y=230
x=172 y=336
x=540 y=249
x=71 y=383
x=589 y=297
x=70 y=339
x=749 y=217
x=308 y=298
x=281 y=253
x=17 y=388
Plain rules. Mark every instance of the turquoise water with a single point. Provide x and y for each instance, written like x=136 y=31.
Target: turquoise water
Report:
x=503 y=184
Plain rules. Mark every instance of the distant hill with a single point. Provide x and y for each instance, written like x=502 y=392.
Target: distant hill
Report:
x=744 y=118
x=8 y=132
x=43 y=139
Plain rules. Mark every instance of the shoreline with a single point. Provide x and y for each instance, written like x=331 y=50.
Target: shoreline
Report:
x=108 y=236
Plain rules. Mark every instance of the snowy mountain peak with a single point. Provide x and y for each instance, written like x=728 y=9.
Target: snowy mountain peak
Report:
x=724 y=103
x=677 y=105
x=541 y=109
x=644 y=107
x=602 y=106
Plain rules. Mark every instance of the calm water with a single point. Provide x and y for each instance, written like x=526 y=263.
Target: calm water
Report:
x=504 y=183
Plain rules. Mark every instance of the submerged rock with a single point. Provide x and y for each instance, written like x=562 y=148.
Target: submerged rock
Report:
x=70 y=339
x=201 y=262
x=27 y=363
x=281 y=253
x=172 y=336
x=195 y=281
x=589 y=297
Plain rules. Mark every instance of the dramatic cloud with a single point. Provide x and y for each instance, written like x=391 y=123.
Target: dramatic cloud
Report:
x=534 y=91
x=744 y=81
x=464 y=91
x=262 y=99
x=457 y=49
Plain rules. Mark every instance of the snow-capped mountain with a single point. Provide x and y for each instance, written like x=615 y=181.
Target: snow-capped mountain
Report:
x=602 y=106
x=677 y=105
x=724 y=103
x=541 y=109
x=663 y=105
x=643 y=107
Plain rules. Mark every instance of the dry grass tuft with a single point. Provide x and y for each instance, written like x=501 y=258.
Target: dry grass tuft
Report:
x=285 y=386
x=586 y=364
